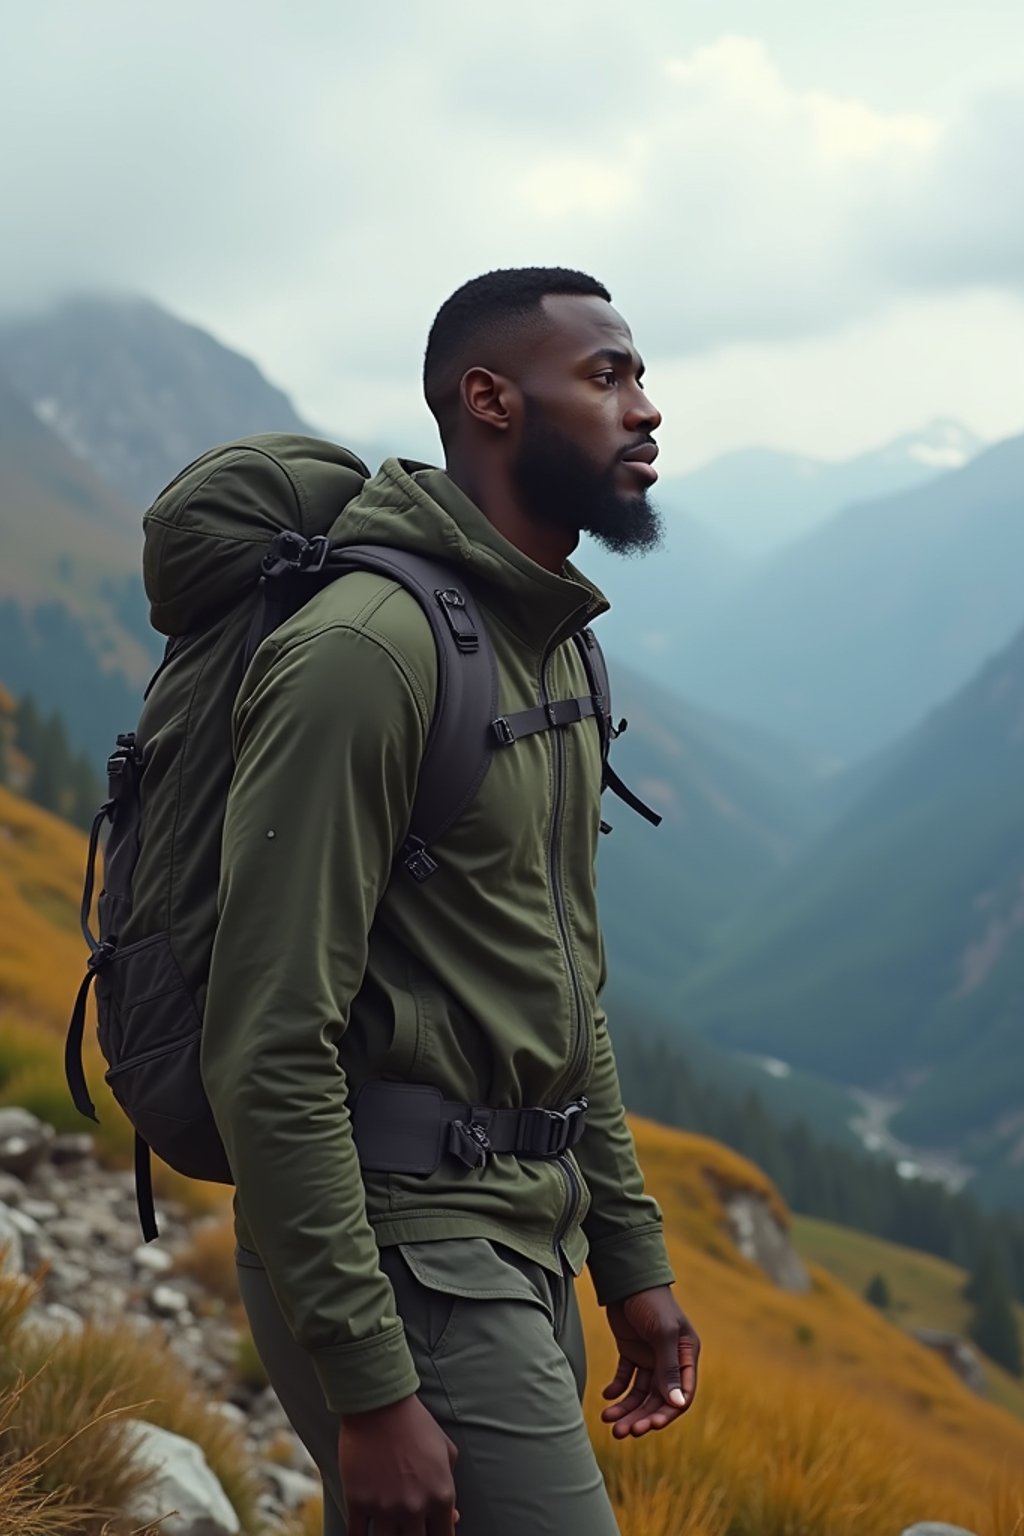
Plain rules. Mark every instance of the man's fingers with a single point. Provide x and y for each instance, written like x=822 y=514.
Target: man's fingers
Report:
x=667 y=1368
x=641 y=1389
x=622 y=1378
x=688 y=1353
x=640 y=1414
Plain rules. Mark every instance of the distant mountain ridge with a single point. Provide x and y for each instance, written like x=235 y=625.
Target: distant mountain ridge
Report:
x=758 y=499
x=136 y=392
x=891 y=955
x=846 y=639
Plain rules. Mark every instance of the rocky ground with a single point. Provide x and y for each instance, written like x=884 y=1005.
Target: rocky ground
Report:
x=60 y=1210
x=63 y=1213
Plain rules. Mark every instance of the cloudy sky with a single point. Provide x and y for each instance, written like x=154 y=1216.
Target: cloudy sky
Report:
x=809 y=212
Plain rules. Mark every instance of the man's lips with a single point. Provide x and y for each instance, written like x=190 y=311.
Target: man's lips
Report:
x=641 y=460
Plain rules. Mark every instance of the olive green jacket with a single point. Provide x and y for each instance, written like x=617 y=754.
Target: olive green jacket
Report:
x=331 y=968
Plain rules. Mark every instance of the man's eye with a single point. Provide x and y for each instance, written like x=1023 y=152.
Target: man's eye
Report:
x=608 y=376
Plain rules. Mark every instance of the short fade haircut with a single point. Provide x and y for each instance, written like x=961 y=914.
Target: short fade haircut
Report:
x=486 y=313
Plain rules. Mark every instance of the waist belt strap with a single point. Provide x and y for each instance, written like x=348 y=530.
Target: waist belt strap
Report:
x=409 y=1127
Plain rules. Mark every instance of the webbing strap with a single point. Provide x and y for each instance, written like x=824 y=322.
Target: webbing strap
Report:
x=615 y=784
x=144 y=1190
x=74 y=1070
x=508 y=729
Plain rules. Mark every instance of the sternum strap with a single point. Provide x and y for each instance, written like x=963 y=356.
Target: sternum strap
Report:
x=508 y=729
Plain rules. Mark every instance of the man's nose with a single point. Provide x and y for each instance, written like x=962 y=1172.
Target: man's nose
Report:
x=642 y=414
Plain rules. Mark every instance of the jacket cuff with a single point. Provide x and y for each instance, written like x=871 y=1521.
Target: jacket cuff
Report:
x=371 y=1373
x=629 y=1262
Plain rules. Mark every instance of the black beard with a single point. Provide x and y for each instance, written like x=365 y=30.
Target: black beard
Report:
x=563 y=488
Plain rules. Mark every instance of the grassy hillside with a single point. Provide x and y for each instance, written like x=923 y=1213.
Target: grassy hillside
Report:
x=803 y=1397
x=891 y=952
x=815 y=1415
x=926 y=1292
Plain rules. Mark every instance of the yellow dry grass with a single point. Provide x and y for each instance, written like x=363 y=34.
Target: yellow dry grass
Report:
x=815 y=1416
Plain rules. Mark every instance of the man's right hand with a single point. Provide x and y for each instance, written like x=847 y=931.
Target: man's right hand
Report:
x=397 y=1468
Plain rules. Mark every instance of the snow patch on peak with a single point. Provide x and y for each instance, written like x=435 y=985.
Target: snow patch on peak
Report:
x=938 y=455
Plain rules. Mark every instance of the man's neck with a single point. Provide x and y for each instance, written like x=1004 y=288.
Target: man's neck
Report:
x=503 y=508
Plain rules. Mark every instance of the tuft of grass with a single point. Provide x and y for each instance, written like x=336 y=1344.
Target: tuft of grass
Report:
x=75 y=1394
x=209 y=1258
x=307 y=1521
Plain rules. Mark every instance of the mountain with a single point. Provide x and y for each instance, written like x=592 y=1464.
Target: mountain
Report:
x=846 y=639
x=737 y=806
x=758 y=499
x=891 y=955
x=73 y=626
x=135 y=392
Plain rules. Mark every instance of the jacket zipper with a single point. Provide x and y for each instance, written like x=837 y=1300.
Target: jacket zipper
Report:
x=578 y=1045
x=555 y=875
x=573 y=1193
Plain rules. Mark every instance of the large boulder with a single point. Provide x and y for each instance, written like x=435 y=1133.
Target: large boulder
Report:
x=183 y=1494
x=759 y=1236
x=962 y=1357
x=935 y=1528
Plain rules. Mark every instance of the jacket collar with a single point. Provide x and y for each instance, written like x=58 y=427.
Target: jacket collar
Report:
x=415 y=506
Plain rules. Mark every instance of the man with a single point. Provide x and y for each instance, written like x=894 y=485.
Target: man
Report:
x=421 y=1328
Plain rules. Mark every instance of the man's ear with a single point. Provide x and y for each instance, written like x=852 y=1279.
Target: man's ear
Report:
x=490 y=398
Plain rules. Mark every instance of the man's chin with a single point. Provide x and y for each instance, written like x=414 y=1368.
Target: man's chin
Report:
x=626 y=526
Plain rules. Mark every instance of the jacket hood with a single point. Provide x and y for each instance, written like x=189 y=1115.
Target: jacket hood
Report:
x=408 y=505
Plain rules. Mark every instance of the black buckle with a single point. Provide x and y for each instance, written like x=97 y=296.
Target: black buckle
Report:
x=470 y=1143
x=417 y=860
x=100 y=955
x=563 y=712
x=504 y=732
x=453 y=606
x=549 y=1132
x=314 y=556
x=285 y=554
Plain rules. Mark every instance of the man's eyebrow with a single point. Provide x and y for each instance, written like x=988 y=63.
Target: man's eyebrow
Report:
x=618 y=355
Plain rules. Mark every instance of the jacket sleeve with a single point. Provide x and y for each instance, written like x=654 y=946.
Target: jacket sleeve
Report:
x=623 y=1226
x=332 y=725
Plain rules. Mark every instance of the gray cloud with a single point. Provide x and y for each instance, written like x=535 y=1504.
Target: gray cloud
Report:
x=311 y=182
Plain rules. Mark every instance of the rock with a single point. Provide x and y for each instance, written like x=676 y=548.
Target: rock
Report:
x=26 y=1224
x=72 y=1232
x=167 y=1301
x=12 y=1189
x=12 y=1251
x=24 y=1142
x=40 y=1210
x=935 y=1528
x=183 y=1494
x=73 y=1147
x=957 y=1353
x=157 y=1260
x=760 y=1237
x=292 y=1488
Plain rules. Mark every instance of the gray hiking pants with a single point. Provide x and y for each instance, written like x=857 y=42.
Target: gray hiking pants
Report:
x=498 y=1345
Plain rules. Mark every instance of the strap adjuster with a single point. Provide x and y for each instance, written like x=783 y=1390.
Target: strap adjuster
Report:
x=469 y=1143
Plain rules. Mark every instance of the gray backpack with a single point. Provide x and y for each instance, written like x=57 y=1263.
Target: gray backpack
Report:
x=233 y=546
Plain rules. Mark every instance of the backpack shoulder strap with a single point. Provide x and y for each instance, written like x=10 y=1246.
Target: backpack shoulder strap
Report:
x=596 y=668
x=457 y=754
